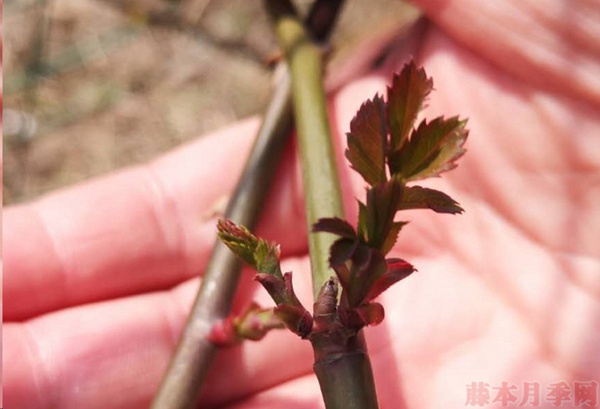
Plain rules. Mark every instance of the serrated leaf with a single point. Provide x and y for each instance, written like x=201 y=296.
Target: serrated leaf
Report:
x=392 y=236
x=239 y=239
x=367 y=141
x=266 y=257
x=397 y=269
x=418 y=197
x=432 y=149
x=335 y=225
x=382 y=202
x=405 y=99
x=452 y=149
x=258 y=253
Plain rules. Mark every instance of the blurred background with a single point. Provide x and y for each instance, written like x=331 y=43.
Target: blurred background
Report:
x=94 y=85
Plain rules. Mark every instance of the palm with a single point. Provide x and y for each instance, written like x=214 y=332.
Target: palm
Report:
x=508 y=291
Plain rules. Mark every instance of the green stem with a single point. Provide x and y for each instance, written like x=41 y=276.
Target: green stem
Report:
x=321 y=182
x=342 y=363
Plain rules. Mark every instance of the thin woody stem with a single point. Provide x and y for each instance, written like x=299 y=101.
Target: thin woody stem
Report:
x=189 y=365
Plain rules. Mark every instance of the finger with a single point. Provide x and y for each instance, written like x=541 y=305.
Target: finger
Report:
x=147 y=228
x=553 y=44
x=139 y=230
x=97 y=356
x=524 y=158
x=79 y=357
x=117 y=350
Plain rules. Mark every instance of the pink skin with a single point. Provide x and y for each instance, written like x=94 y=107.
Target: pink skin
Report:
x=98 y=278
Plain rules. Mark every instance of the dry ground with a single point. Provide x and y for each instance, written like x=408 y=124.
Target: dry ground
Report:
x=95 y=85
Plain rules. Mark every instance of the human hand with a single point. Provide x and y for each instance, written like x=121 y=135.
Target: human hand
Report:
x=99 y=279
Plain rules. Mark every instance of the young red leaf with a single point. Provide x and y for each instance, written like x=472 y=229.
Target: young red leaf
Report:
x=397 y=269
x=432 y=149
x=335 y=225
x=417 y=197
x=382 y=202
x=367 y=265
x=363 y=315
x=367 y=141
x=340 y=252
x=371 y=313
x=405 y=99
x=392 y=236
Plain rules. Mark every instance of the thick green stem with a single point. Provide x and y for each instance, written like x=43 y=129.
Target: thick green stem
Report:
x=321 y=182
x=342 y=364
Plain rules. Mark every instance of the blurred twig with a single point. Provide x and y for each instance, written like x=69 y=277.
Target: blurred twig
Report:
x=72 y=57
x=176 y=15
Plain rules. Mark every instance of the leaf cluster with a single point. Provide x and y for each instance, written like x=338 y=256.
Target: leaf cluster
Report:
x=263 y=256
x=389 y=151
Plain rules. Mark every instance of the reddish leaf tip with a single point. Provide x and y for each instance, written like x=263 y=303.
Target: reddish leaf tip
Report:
x=334 y=225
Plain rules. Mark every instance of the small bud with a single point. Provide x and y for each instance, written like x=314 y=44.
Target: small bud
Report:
x=253 y=324
x=223 y=334
x=327 y=299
